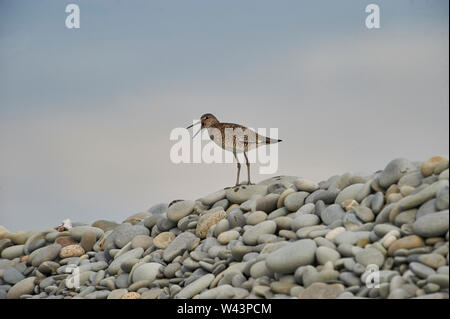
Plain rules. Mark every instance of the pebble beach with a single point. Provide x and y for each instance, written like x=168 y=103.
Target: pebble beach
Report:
x=380 y=236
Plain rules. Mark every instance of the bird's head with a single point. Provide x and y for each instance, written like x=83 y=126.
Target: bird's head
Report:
x=206 y=120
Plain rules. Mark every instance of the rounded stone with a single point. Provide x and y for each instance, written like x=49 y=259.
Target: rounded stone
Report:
x=183 y=241
x=88 y=240
x=291 y=256
x=12 y=252
x=332 y=214
x=23 y=287
x=267 y=203
x=131 y=295
x=180 y=209
x=242 y=193
x=163 y=240
x=365 y=214
x=236 y=218
x=65 y=241
x=320 y=290
x=195 y=287
x=408 y=242
x=442 y=198
x=142 y=241
x=429 y=165
x=78 y=231
x=421 y=270
x=147 y=271
x=227 y=236
x=349 y=192
x=12 y=276
x=47 y=253
x=251 y=235
x=325 y=254
x=117 y=293
x=125 y=233
x=256 y=217
x=212 y=198
x=433 y=260
x=71 y=251
x=394 y=171
x=432 y=225
x=370 y=256
x=304 y=220
x=207 y=220
x=305 y=185
x=295 y=200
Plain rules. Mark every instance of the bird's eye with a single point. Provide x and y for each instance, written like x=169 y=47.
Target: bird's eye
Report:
x=206 y=118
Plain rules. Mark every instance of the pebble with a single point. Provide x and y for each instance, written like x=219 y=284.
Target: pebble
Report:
x=163 y=240
x=147 y=271
x=428 y=166
x=242 y=193
x=114 y=267
x=207 y=220
x=71 y=251
x=442 y=198
x=325 y=254
x=182 y=242
x=267 y=203
x=212 y=198
x=78 y=231
x=227 y=236
x=370 y=256
x=320 y=290
x=284 y=194
x=88 y=240
x=295 y=200
x=421 y=270
x=291 y=256
x=394 y=171
x=47 y=253
x=12 y=252
x=377 y=202
x=180 y=209
x=332 y=214
x=256 y=217
x=365 y=214
x=305 y=185
x=131 y=295
x=25 y=286
x=432 y=225
x=12 y=276
x=250 y=236
x=349 y=192
x=408 y=242
x=195 y=287
x=124 y=233
x=304 y=221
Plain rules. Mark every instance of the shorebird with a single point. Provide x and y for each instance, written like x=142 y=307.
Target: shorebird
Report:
x=232 y=137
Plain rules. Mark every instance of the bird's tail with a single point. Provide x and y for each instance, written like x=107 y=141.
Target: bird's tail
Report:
x=272 y=141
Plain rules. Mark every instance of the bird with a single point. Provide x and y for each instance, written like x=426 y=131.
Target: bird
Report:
x=232 y=137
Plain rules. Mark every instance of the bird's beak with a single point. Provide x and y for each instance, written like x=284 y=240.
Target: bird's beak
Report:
x=196 y=133
x=192 y=125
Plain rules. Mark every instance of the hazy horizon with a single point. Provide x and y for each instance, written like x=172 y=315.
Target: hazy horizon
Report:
x=86 y=114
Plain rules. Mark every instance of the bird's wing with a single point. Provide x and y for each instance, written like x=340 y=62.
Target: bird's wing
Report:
x=244 y=135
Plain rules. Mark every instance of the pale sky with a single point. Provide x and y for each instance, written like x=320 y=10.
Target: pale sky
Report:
x=86 y=114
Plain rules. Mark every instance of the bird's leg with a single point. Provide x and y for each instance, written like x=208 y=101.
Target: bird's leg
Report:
x=248 y=169
x=239 y=169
